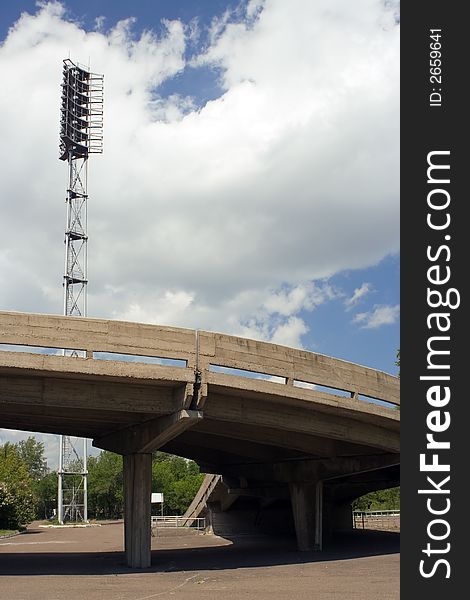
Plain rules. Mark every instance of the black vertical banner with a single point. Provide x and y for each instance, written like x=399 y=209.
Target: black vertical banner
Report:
x=435 y=234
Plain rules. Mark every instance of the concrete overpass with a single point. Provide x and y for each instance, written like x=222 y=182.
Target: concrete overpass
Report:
x=270 y=443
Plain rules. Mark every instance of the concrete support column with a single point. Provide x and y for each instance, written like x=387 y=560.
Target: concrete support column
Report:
x=342 y=519
x=337 y=516
x=137 y=492
x=307 y=508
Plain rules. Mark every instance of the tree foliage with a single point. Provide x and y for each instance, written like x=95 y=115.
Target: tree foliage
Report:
x=105 y=493
x=388 y=499
x=177 y=478
x=16 y=489
x=46 y=495
x=31 y=452
x=28 y=490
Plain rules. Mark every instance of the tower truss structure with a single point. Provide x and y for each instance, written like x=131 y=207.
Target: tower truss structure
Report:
x=81 y=134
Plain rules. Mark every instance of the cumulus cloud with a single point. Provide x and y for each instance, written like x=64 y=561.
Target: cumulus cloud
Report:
x=380 y=315
x=290 y=333
x=301 y=297
x=223 y=216
x=229 y=216
x=358 y=294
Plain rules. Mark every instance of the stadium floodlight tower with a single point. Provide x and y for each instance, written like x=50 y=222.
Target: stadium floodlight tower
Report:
x=81 y=134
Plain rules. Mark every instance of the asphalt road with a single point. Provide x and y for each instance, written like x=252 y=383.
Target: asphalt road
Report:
x=88 y=564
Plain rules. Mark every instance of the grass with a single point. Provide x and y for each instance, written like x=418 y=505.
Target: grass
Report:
x=8 y=531
x=50 y=522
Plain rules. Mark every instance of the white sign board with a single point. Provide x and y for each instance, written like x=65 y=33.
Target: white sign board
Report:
x=156 y=497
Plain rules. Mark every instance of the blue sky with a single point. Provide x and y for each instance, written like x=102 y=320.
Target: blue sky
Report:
x=200 y=83
x=249 y=181
x=338 y=334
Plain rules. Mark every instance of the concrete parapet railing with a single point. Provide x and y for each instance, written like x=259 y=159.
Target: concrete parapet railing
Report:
x=201 y=350
x=296 y=365
x=97 y=335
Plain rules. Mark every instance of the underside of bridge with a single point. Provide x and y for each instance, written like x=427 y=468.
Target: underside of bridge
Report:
x=282 y=454
x=268 y=507
x=305 y=486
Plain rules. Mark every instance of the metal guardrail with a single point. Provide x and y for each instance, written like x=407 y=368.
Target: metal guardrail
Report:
x=176 y=521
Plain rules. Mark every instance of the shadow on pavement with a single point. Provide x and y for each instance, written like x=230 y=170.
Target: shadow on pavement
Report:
x=241 y=553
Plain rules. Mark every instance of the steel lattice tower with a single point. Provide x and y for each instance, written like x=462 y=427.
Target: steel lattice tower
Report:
x=81 y=134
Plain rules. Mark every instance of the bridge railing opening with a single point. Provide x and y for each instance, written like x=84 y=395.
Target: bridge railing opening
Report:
x=296 y=383
x=45 y=350
x=248 y=374
x=138 y=358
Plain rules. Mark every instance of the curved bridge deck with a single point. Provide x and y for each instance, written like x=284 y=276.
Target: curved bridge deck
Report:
x=256 y=413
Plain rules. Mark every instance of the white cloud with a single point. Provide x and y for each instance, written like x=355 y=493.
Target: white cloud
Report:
x=218 y=217
x=305 y=385
x=254 y=8
x=359 y=294
x=290 y=333
x=301 y=297
x=161 y=310
x=380 y=315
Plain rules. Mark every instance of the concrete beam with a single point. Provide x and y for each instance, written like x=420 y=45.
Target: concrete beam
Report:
x=310 y=470
x=137 y=492
x=277 y=438
x=271 y=493
x=81 y=394
x=249 y=449
x=150 y=435
x=303 y=420
x=351 y=487
x=227 y=500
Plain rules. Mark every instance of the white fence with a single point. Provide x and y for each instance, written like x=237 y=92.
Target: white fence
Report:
x=174 y=521
x=376 y=519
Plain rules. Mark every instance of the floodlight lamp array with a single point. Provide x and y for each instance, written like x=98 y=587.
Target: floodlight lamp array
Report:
x=81 y=123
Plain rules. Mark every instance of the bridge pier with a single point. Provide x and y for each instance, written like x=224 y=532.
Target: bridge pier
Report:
x=137 y=492
x=307 y=509
x=341 y=518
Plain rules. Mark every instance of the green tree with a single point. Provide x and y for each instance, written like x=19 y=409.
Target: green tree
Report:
x=177 y=478
x=16 y=490
x=31 y=453
x=105 y=494
x=46 y=495
x=388 y=499
x=184 y=491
